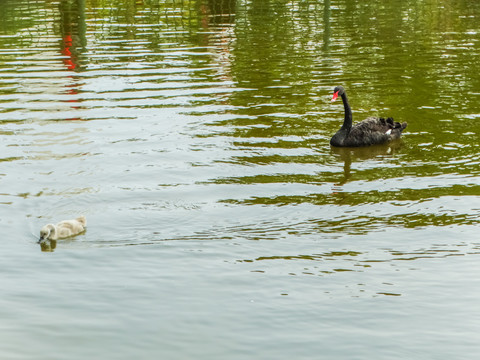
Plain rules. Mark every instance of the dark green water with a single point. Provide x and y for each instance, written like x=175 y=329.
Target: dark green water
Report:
x=194 y=136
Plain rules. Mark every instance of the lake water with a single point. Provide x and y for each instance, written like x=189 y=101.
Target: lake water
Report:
x=194 y=136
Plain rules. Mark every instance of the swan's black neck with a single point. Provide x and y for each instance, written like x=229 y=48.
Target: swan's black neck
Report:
x=347 y=123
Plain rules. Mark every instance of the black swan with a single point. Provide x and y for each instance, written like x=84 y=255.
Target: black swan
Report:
x=370 y=131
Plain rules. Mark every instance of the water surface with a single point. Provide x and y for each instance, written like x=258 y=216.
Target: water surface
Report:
x=194 y=136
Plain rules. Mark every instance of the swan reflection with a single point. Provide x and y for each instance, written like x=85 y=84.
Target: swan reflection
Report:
x=350 y=155
x=48 y=245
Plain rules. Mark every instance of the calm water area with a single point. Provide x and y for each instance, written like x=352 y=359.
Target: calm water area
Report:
x=194 y=136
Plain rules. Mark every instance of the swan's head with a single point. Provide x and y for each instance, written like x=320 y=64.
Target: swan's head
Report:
x=338 y=91
x=46 y=232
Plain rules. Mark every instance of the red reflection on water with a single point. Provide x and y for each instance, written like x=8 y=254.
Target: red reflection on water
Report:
x=69 y=61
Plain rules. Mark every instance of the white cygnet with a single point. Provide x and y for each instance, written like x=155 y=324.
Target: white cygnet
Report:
x=63 y=229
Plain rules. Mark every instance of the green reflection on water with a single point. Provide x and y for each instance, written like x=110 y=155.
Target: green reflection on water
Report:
x=414 y=60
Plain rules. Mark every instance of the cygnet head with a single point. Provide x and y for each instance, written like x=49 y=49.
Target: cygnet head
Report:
x=46 y=232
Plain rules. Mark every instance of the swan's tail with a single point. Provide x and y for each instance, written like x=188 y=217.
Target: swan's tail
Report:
x=82 y=220
x=397 y=125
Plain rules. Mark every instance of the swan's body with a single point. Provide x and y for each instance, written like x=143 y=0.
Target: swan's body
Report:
x=370 y=131
x=63 y=229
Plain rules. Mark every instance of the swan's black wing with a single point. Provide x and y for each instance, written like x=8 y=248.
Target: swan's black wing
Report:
x=374 y=130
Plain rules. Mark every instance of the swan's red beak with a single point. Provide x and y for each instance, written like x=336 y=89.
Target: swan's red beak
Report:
x=335 y=95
